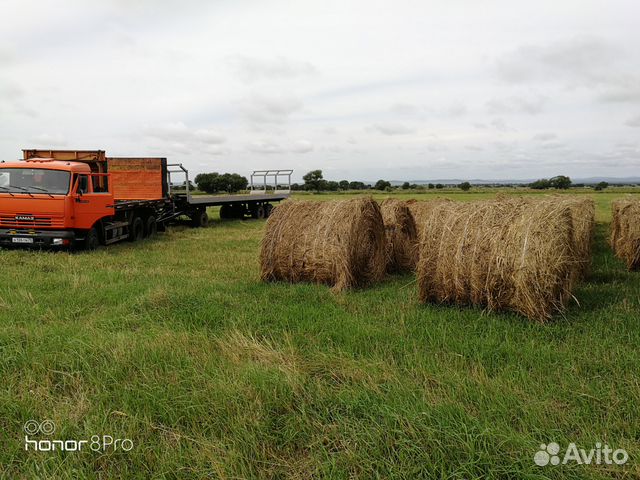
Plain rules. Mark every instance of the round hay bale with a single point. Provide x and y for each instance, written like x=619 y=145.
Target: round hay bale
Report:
x=421 y=210
x=583 y=225
x=401 y=236
x=625 y=231
x=504 y=255
x=583 y=211
x=339 y=243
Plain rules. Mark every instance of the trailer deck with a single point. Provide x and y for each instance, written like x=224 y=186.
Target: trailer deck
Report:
x=217 y=200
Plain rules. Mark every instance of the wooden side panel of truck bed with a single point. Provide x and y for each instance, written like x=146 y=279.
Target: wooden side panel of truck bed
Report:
x=138 y=178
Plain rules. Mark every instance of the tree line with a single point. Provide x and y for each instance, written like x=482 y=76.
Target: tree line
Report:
x=315 y=182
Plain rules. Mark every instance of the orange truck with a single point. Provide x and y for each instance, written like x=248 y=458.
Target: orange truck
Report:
x=82 y=198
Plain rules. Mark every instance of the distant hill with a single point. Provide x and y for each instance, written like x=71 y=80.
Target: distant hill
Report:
x=476 y=181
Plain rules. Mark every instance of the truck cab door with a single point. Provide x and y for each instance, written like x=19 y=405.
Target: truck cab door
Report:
x=90 y=205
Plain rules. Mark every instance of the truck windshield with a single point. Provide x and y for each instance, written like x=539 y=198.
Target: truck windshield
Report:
x=34 y=180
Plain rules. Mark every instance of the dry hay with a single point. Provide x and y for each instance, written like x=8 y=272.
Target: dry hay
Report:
x=421 y=210
x=625 y=231
x=583 y=224
x=504 y=255
x=400 y=236
x=339 y=243
x=583 y=212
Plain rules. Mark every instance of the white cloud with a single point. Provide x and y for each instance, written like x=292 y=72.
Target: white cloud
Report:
x=169 y=131
x=392 y=129
x=552 y=145
x=590 y=62
x=516 y=104
x=633 y=122
x=581 y=60
x=302 y=146
x=266 y=147
x=545 y=137
x=209 y=136
x=403 y=108
x=45 y=140
x=269 y=109
x=251 y=69
x=499 y=124
x=179 y=132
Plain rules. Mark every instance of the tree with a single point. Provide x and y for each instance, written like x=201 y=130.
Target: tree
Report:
x=541 y=184
x=439 y=186
x=601 y=186
x=332 y=186
x=382 y=185
x=232 y=182
x=313 y=180
x=431 y=186
x=207 y=182
x=214 y=182
x=356 y=185
x=406 y=186
x=465 y=186
x=344 y=184
x=561 y=182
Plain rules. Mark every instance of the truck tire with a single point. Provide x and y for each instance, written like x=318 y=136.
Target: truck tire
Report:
x=91 y=241
x=226 y=211
x=151 y=227
x=259 y=212
x=136 y=230
x=200 y=219
x=268 y=208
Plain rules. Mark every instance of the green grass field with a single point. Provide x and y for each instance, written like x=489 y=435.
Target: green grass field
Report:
x=175 y=344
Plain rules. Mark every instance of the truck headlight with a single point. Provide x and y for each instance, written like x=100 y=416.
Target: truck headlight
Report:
x=57 y=241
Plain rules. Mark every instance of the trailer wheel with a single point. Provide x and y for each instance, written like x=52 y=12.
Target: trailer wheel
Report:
x=200 y=219
x=226 y=211
x=91 y=241
x=259 y=212
x=268 y=208
x=136 y=230
x=152 y=227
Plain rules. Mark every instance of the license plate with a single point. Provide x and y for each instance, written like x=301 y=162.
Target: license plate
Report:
x=22 y=240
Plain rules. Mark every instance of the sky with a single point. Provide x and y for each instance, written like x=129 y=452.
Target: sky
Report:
x=363 y=90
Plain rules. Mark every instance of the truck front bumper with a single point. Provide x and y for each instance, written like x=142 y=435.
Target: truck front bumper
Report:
x=37 y=238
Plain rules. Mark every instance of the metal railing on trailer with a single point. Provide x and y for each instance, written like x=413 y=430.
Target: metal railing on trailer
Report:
x=179 y=169
x=265 y=175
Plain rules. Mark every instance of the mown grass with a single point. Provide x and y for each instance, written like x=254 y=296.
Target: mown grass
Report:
x=175 y=344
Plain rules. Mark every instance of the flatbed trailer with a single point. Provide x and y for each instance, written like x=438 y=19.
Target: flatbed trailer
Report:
x=83 y=198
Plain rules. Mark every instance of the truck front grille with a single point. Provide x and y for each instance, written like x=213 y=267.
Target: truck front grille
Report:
x=7 y=221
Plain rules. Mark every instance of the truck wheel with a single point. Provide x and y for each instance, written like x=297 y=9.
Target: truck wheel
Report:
x=91 y=242
x=226 y=211
x=267 y=210
x=136 y=232
x=200 y=219
x=152 y=227
x=259 y=212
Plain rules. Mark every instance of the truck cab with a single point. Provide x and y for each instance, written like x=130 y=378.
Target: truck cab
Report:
x=51 y=203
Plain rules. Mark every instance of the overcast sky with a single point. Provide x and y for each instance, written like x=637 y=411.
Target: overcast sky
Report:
x=401 y=90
